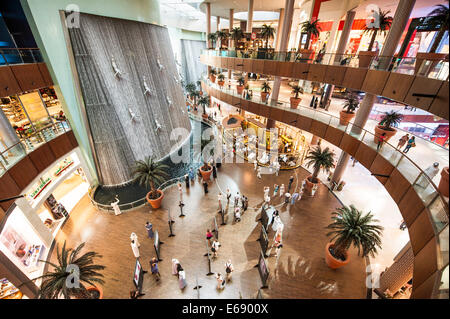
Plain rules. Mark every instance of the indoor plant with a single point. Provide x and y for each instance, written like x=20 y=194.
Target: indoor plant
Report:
x=222 y=36
x=240 y=86
x=295 y=100
x=320 y=160
x=199 y=84
x=190 y=88
x=311 y=28
x=221 y=79
x=195 y=95
x=204 y=151
x=388 y=121
x=212 y=37
x=236 y=34
x=265 y=91
x=267 y=32
x=149 y=172
x=204 y=101
x=212 y=75
x=54 y=282
x=351 y=227
x=350 y=106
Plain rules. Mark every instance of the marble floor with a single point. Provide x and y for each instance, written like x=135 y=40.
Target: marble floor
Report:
x=299 y=272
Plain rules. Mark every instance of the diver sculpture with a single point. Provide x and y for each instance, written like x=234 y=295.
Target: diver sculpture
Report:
x=117 y=72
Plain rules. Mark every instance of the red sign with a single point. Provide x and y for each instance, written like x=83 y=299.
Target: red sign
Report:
x=253 y=36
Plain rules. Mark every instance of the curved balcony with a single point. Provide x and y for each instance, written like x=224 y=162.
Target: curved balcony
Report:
x=422 y=84
x=424 y=209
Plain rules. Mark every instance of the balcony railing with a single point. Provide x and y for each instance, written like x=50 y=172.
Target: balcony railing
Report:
x=432 y=68
x=20 y=56
x=13 y=154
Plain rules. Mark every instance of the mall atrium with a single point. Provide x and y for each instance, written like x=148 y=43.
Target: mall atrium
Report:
x=224 y=149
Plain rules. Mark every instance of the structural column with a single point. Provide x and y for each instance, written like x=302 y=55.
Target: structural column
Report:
x=230 y=41
x=280 y=30
x=208 y=23
x=399 y=22
x=340 y=167
x=250 y=16
x=284 y=41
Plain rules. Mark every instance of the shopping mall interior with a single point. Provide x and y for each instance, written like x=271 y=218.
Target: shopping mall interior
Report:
x=247 y=149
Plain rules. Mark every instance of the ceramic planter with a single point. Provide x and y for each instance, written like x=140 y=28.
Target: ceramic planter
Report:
x=264 y=96
x=333 y=262
x=379 y=130
x=295 y=102
x=239 y=89
x=155 y=203
x=345 y=117
x=206 y=174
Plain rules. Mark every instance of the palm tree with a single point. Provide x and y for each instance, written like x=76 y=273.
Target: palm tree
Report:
x=266 y=87
x=190 y=88
x=296 y=89
x=149 y=172
x=222 y=35
x=311 y=28
x=199 y=84
x=351 y=227
x=439 y=16
x=384 y=23
x=212 y=37
x=236 y=34
x=391 y=119
x=241 y=80
x=205 y=157
x=204 y=102
x=351 y=102
x=195 y=95
x=71 y=266
x=267 y=32
x=320 y=160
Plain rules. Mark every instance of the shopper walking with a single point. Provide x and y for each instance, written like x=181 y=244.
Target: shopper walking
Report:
x=191 y=174
x=209 y=236
x=214 y=172
x=215 y=248
x=229 y=270
x=282 y=190
x=205 y=187
x=149 y=228
x=411 y=143
x=258 y=172
x=294 y=198
x=237 y=199
x=135 y=249
x=266 y=191
x=381 y=140
x=228 y=195
x=154 y=268
x=237 y=214
x=275 y=189
x=402 y=141
x=291 y=180
x=219 y=198
x=181 y=278
x=175 y=264
x=220 y=281
x=186 y=181
x=134 y=237
x=255 y=164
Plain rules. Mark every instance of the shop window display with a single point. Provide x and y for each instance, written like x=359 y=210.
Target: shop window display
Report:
x=8 y=290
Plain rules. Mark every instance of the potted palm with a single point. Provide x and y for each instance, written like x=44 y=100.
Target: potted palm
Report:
x=149 y=172
x=199 y=84
x=350 y=106
x=212 y=37
x=212 y=75
x=295 y=100
x=311 y=28
x=195 y=95
x=221 y=79
x=267 y=33
x=265 y=91
x=190 y=88
x=382 y=25
x=204 y=151
x=204 y=101
x=78 y=270
x=222 y=36
x=240 y=86
x=388 y=121
x=236 y=34
x=351 y=227
x=320 y=160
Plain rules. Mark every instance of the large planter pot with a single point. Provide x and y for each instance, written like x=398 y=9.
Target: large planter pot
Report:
x=155 y=203
x=200 y=92
x=295 y=102
x=345 y=117
x=97 y=291
x=239 y=89
x=264 y=96
x=212 y=78
x=365 y=58
x=206 y=174
x=443 y=183
x=310 y=185
x=333 y=262
x=379 y=130
x=220 y=82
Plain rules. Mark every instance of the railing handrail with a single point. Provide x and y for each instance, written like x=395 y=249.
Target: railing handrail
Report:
x=421 y=172
x=20 y=49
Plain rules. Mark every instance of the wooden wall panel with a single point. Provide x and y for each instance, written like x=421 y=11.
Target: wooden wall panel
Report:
x=422 y=85
x=8 y=188
x=318 y=128
x=304 y=123
x=425 y=262
x=421 y=231
x=230 y=63
x=248 y=65
x=411 y=206
x=42 y=157
x=253 y=108
x=28 y=76
x=425 y=290
x=60 y=145
x=440 y=104
x=224 y=62
x=335 y=74
x=316 y=72
x=301 y=70
x=45 y=74
x=286 y=69
x=381 y=166
x=270 y=67
x=23 y=172
x=235 y=101
x=264 y=110
x=289 y=118
x=8 y=83
x=258 y=66
x=239 y=64
x=349 y=144
x=354 y=78
x=397 y=86
x=244 y=103
x=365 y=155
x=333 y=135
x=397 y=185
x=276 y=114
x=375 y=81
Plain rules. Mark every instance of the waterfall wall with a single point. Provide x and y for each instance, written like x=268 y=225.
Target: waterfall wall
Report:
x=112 y=57
x=192 y=67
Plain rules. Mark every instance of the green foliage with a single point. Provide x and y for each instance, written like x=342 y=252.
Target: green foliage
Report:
x=54 y=285
x=213 y=38
x=439 y=16
x=320 y=160
x=204 y=101
x=267 y=32
x=351 y=227
x=236 y=34
x=296 y=89
x=385 y=22
x=266 y=87
x=221 y=77
x=241 y=80
x=391 y=119
x=351 y=102
x=190 y=88
x=213 y=71
x=311 y=28
x=200 y=152
x=149 y=172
